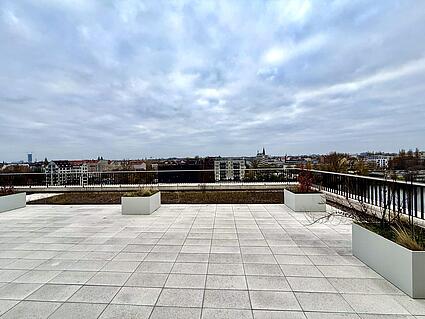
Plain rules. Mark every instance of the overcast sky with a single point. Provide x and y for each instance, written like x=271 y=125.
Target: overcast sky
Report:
x=135 y=79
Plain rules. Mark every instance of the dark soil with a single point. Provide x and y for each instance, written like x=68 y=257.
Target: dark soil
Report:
x=184 y=197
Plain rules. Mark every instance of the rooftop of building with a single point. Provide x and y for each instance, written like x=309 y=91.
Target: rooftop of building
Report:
x=187 y=261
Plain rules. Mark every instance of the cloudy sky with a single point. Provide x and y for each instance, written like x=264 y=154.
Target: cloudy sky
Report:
x=134 y=79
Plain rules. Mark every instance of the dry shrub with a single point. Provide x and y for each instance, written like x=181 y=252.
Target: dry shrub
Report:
x=143 y=192
x=404 y=237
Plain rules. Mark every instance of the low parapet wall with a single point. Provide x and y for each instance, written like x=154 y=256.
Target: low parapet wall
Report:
x=161 y=187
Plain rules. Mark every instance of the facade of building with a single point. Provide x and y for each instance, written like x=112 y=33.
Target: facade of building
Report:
x=29 y=158
x=229 y=170
x=379 y=160
x=66 y=173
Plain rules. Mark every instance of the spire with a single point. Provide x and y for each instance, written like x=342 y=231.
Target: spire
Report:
x=264 y=151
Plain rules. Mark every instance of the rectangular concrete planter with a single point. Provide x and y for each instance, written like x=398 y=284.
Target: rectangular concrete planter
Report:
x=305 y=202
x=140 y=205
x=14 y=201
x=402 y=267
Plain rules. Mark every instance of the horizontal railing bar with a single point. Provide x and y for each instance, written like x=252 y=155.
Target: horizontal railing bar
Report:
x=364 y=177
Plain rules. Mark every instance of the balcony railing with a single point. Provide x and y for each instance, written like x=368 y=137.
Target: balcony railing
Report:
x=404 y=197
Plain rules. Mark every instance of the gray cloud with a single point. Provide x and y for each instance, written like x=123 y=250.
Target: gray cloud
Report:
x=135 y=78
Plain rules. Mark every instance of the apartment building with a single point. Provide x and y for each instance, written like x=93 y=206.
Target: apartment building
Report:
x=67 y=173
x=379 y=160
x=229 y=169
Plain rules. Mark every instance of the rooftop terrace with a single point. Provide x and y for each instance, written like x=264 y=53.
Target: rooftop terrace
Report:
x=187 y=261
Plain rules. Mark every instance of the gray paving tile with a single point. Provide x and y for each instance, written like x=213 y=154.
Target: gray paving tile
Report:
x=5 y=305
x=9 y=275
x=256 y=250
x=301 y=271
x=56 y=264
x=126 y=312
x=24 y=264
x=166 y=249
x=278 y=314
x=17 y=291
x=124 y=256
x=329 y=260
x=37 y=276
x=274 y=300
x=226 y=282
x=381 y=316
x=95 y=294
x=108 y=278
x=263 y=269
x=137 y=296
x=87 y=265
x=226 y=314
x=185 y=281
x=365 y=286
x=72 y=277
x=155 y=267
x=222 y=258
x=146 y=280
x=121 y=266
x=181 y=297
x=348 y=272
x=31 y=310
x=136 y=248
x=75 y=310
x=287 y=250
x=377 y=304
x=258 y=259
x=414 y=306
x=54 y=292
x=326 y=302
x=226 y=269
x=198 y=249
x=327 y=315
x=162 y=256
x=238 y=299
x=175 y=313
x=268 y=283
x=190 y=268
x=293 y=260
x=307 y=284
x=192 y=257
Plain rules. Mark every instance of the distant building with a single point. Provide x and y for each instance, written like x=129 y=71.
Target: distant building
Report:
x=229 y=170
x=29 y=158
x=66 y=173
x=379 y=160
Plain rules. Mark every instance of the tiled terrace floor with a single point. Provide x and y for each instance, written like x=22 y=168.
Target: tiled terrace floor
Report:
x=186 y=261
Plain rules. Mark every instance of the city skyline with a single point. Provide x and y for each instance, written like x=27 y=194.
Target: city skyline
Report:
x=35 y=159
x=131 y=79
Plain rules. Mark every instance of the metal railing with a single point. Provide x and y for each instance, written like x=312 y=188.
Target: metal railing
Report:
x=148 y=177
x=405 y=197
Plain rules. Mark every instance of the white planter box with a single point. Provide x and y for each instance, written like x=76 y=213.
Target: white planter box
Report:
x=305 y=202
x=140 y=205
x=10 y=202
x=402 y=267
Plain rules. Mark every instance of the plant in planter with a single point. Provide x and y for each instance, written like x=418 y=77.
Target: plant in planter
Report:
x=7 y=190
x=384 y=238
x=141 y=202
x=10 y=199
x=303 y=198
